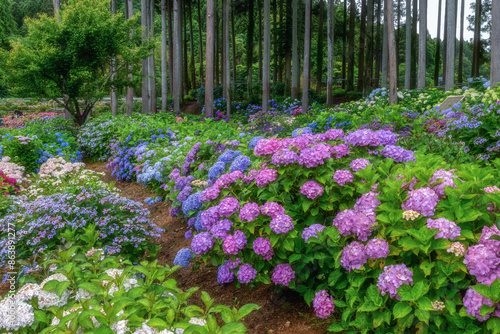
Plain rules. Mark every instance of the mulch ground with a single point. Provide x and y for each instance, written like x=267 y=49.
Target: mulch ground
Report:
x=280 y=312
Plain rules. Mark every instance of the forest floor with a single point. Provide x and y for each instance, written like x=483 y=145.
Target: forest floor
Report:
x=280 y=312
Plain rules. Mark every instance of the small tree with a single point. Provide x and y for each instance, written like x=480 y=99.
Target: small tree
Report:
x=70 y=56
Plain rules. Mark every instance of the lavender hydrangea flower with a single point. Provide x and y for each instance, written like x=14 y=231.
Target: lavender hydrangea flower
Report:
x=353 y=256
x=202 y=243
x=174 y=212
x=262 y=246
x=209 y=194
x=234 y=243
x=188 y=235
x=398 y=153
x=367 y=204
x=423 y=201
x=183 y=258
x=323 y=304
x=387 y=137
x=315 y=156
x=175 y=174
x=312 y=189
x=342 y=177
x=228 y=156
x=228 y=206
x=254 y=142
x=482 y=261
x=283 y=274
x=359 y=164
x=184 y=194
x=241 y=163
x=300 y=131
x=209 y=217
x=301 y=142
x=267 y=146
x=312 y=231
x=486 y=234
x=216 y=170
x=221 y=228
x=246 y=273
x=192 y=203
x=334 y=134
x=282 y=224
x=362 y=137
x=447 y=229
x=265 y=176
x=340 y=151
x=284 y=157
x=224 y=275
x=473 y=301
x=232 y=264
x=272 y=209
x=249 y=212
x=392 y=278
x=446 y=176
x=377 y=249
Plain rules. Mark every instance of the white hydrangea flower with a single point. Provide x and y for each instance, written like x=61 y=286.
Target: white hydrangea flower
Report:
x=28 y=291
x=48 y=298
x=82 y=295
x=196 y=321
x=15 y=314
x=120 y=327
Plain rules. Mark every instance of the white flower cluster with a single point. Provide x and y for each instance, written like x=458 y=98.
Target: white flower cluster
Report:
x=58 y=167
x=47 y=299
x=128 y=284
x=15 y=313
x=12 y=170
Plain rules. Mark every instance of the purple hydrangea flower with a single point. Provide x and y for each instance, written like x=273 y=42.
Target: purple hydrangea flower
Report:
x=342 y=177
x=283 y=274
x=174 y=212
x=334 y=134
x=209 y=194
x=302 y=142
x=232 y=264
x=221 y=228
x=300 y=131
x=246 y=273
x=483 y=262
x=353 y=256
x=209 y=217
x=398 y=153
x=446 y=176
x=473 y=301
x=349 y=221
x=272 y=209
x=228 y=206
x=184 y=194
x=188 y=235
x=234 y=243
x=367 y=204
x=249 y=212
x=312 y=189
x=192 y=203
x=224 y=275
x=251 y=176
x=486 y=233
x=312 y=231
x=392 y=278
x=228 y=156
x=359 y=164
x=284 y=157
x=387 y=137
x=202 y=243
x=183 y=258
x=423 y=201
x=323 y=304
x=340 y=151
x=315 y=156
x=377 y=249
x=265 y=176
x=282 y=224
x=447 y=229
x=267 y=146
x=262 y=246
x=362 y=137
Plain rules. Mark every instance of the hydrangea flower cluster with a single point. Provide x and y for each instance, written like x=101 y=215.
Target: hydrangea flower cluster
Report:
x=392 y=278
x=311 y=189
x=300 y=131
x=377 y=249
x=447 y=180
x=228 y=206
x=254 y=142
x=342 y=177
x=283 y=274
x=473 y=301
x=340 y=151
x=183 y=258
x=350 y=222
x=228 y=156
x=284 y=157
x=262 y=246
x=423 y=201
x=241 y=163
x=249 y=212
x=314 y=156
x=202 y=243
x=224 y=275
x=152 y=201
x=362 y=137
x=267 y=146
x=246 y=273
x=447 y=229
x=265 y=176
x=312 y=231
x=359 y=164
x=234 y=243
x=221 y=228
x=282 y=224
x=398 y=153
x=323 y=304
x=353 y=256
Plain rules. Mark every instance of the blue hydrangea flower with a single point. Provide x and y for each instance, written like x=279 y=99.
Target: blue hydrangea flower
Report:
x=183 y=258
x=300 y=131
x=216 y=170
x=254 y=142
x=192 y=203
x=241 y=164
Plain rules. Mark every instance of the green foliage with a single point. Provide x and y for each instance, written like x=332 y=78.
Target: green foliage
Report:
x=24 y=151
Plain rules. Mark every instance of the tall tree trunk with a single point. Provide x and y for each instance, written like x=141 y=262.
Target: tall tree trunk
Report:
x=210 y=48
x=331 y=44
x=378 y=50
x=476 y=50
x=57 y=6
x=225 y=56
x=414 y=45
x=171 y=47
x=362 y=38
x=445 y=39
x=344 y=48
x=202 y=77
x=389 y=12
x=191 y=46
x=307 y=52
x=437 y=63
x=112 y=69
x=450 y=45
x=385 y=50
x=266 y=74
x=151 y=62
x=275 y=42
x=177 y=42
x=319 y=50
x=295 y=52
x=250 y=29
x=259 y=23
x=461 y=48
x=185 y=59
x=280 y=44
x=398 y=44
x=164 y=96
x=422 y=47
x=408 y=45
x=350 y=59
x=145 y=63
x=369 y=50
x=288 y=48
x=233 y=33
x=216 y=39
x=130 y=90
x=495 y=44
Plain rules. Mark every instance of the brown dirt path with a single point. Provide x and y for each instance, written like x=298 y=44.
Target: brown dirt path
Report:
x=281 y=312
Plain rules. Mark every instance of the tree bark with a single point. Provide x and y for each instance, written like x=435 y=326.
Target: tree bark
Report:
x=344 y=48
x=378 y=50
x=307 y=50
x=171 y=46
x=461 y=47
x=422 y=47
x=367 y=86
x=57 y=7
x=280 y=44
x=445 y=39
x=216 y=41
x=408 y=45
x=275 y=42
x=476 y=51
x=151 y=62
x=210 y=46
x=164 y=96
x=225 y=57
x=192 y=69
x=112 y=69
x=288 y=48
x=319 y=50
x=250 y=29
x=177 y=42
x=331 y=44
x=437 y=57
x=202 y=77
x=362 y=39
x=350 y=59
x=266 y=74
x=398 y=43
x=393 y=97
x=234 y=50
x=450 y=45
x=130 y=90
x=185 y=59
x=385 y=51
x=495 y=44
x=295 y=53
x=259 y=23
x=145 y=62
x=414 y=45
